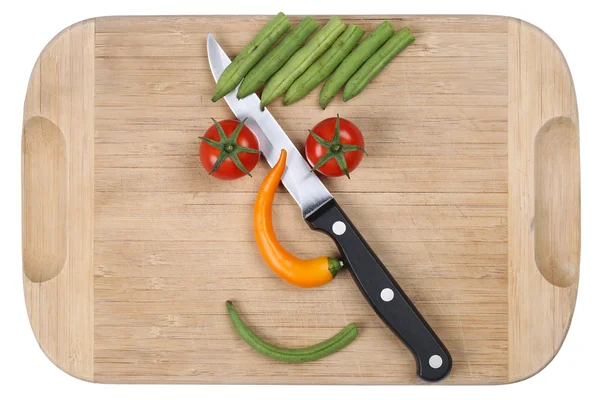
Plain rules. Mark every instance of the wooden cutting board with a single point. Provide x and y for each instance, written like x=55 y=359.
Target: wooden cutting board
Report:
x=469 y=195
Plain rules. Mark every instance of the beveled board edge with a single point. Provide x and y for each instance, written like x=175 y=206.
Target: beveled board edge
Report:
x=58 y=200
x=543 y=212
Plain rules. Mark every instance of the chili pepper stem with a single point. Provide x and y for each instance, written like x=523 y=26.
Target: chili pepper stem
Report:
x=334 y=266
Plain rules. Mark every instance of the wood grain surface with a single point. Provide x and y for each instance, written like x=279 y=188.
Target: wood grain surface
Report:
x=449 y=198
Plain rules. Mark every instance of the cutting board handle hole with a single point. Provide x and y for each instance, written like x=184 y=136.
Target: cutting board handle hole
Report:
x=557 y=218
x=44 y=174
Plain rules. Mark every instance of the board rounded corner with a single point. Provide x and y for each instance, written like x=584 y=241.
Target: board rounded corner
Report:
x=543 y=365
x=81 y=24
x=81 y=374
x=73 y=373
x=31 y=83
x=527 y=27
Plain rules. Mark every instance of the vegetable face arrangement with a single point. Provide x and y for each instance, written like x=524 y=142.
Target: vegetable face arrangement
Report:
x=334 y=147
x=295 y=70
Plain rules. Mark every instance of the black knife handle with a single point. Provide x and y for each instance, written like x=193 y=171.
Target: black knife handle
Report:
x=383 y=293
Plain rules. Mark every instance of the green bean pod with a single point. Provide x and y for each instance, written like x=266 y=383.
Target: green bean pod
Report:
x=250 y=55
x=377 y=62
x=298 y=355
x=301 y=60
x=353 y=62
x=277 y=57
x=325 y=65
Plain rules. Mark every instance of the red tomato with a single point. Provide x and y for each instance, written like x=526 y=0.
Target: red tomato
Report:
x=228 y=169
x=351 y=145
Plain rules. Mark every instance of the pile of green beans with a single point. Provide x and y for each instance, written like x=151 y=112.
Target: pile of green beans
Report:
x=294 y=68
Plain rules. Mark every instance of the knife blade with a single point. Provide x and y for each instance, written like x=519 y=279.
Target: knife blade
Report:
x=304 y=186
x=323 y=213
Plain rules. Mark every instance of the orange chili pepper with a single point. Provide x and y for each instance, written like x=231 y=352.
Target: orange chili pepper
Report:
x=300 y=272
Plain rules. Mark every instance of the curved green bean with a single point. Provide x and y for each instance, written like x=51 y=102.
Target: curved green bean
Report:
x=299 y=355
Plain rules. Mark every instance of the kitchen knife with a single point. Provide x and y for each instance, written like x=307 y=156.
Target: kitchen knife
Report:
x=321 y=212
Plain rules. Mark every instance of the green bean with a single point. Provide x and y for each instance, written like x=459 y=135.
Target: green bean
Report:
x=353 y=62
x=250 y=55
x=377 y=62
x=277 y=57
x=325 y=65
x=301 y=60
x=298 y=355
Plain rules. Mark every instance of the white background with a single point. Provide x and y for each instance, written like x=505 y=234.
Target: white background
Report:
x=27 y=26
